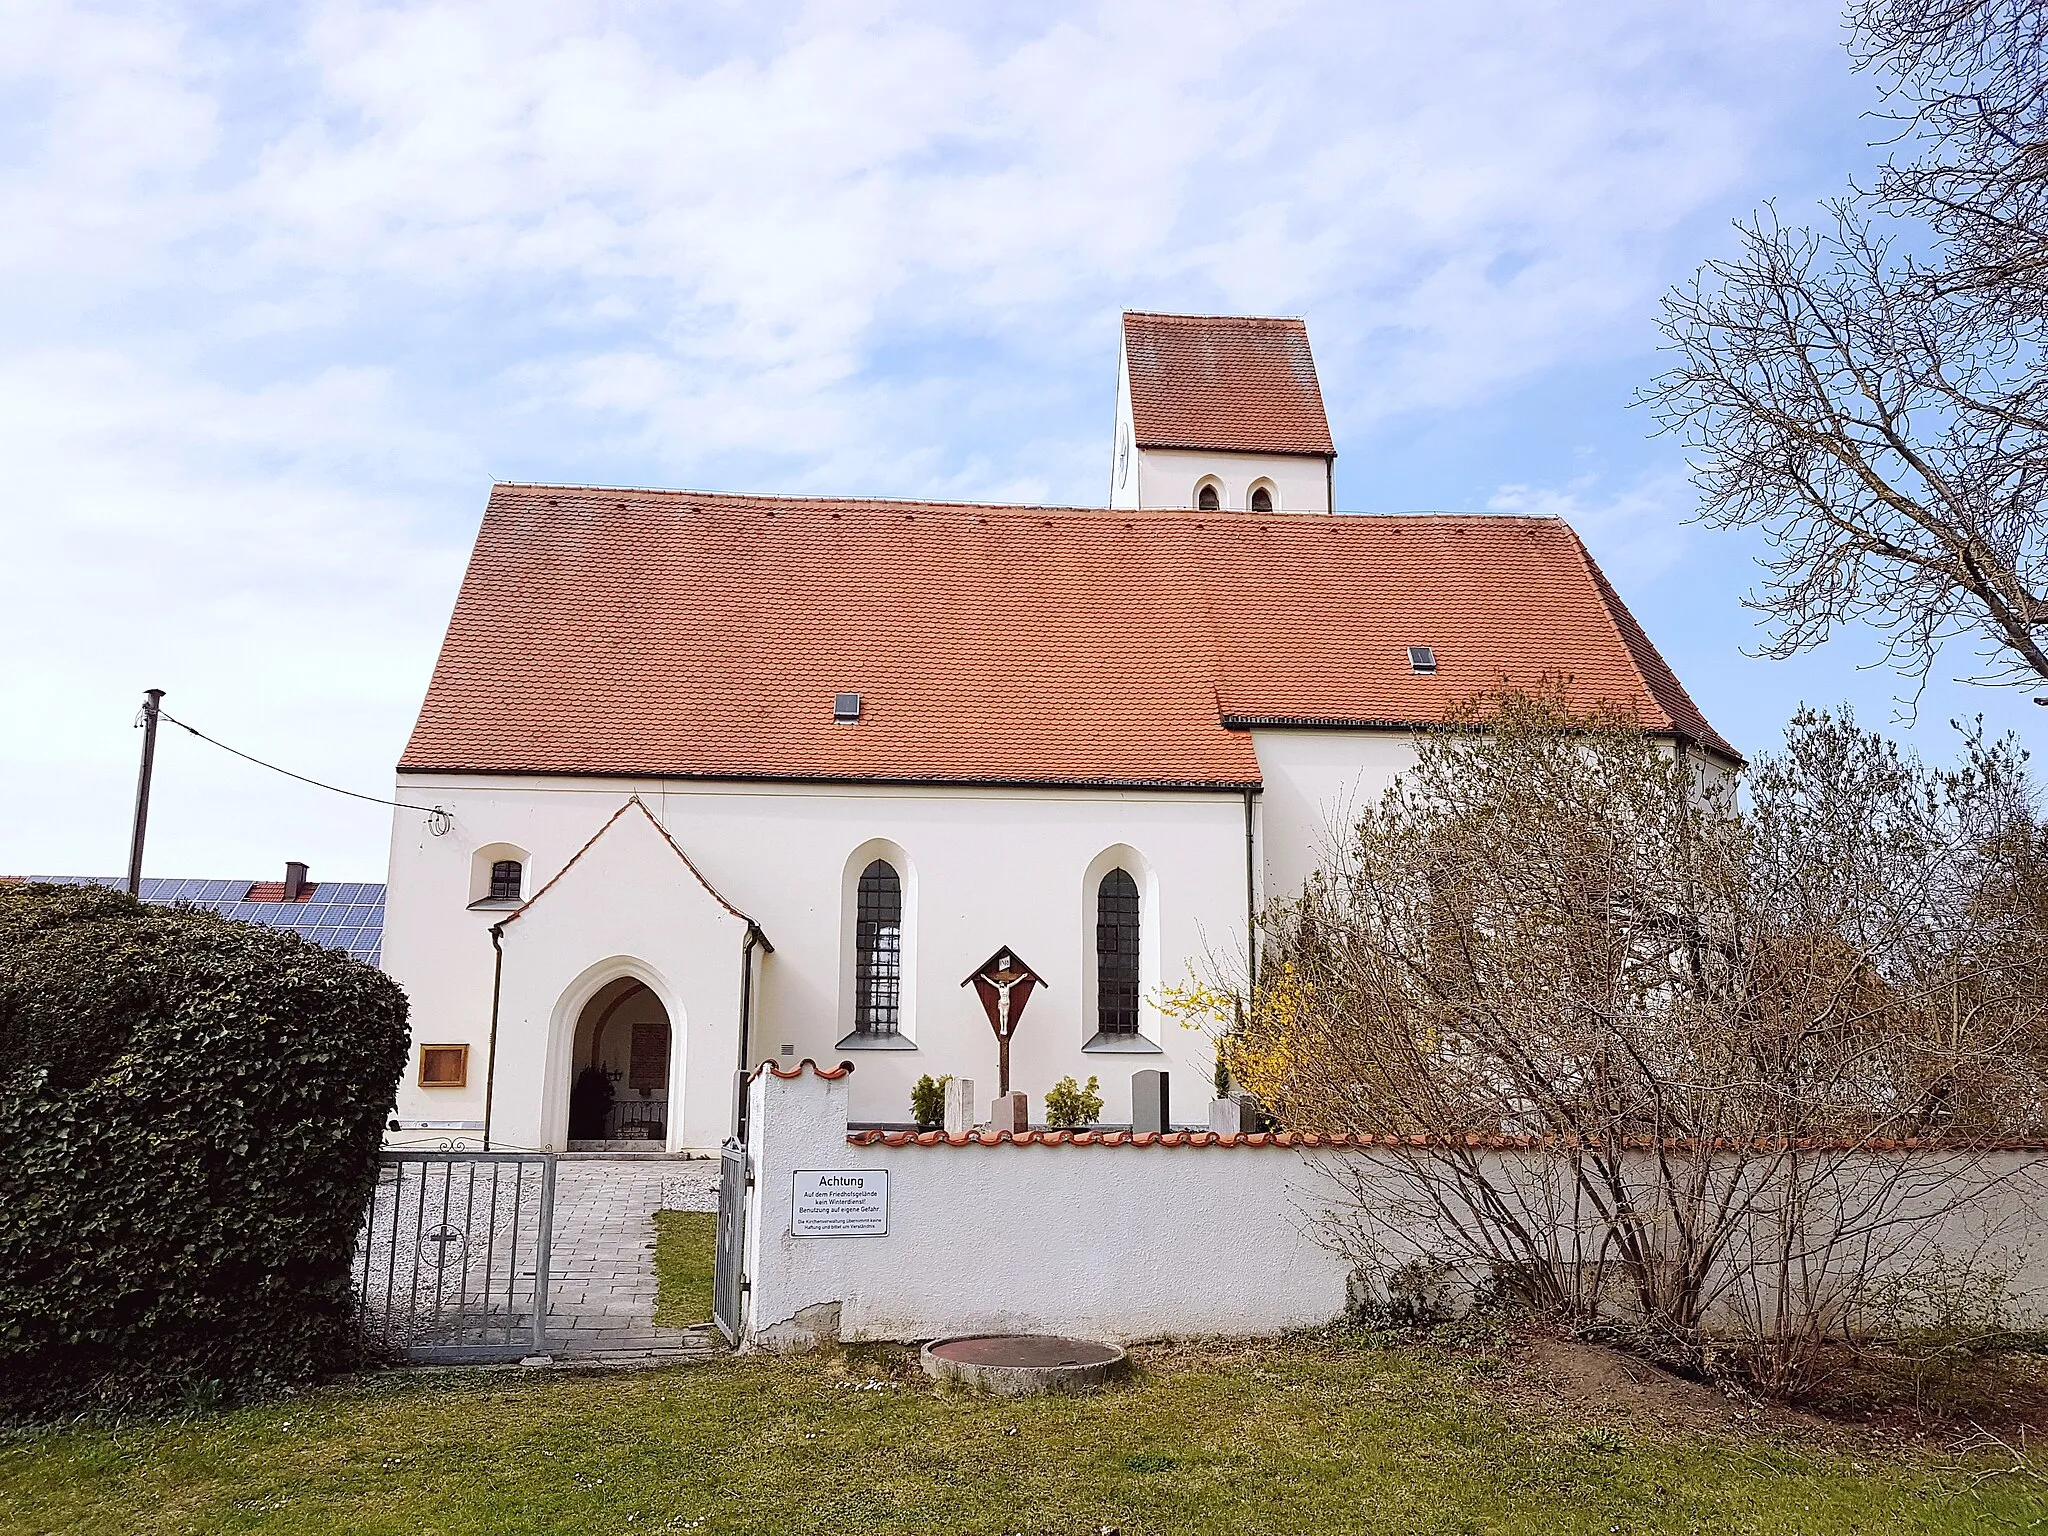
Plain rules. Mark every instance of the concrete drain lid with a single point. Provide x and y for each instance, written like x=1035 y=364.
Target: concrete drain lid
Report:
x=1023 y=1364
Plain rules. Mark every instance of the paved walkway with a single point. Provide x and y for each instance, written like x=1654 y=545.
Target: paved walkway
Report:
x=601 y=1268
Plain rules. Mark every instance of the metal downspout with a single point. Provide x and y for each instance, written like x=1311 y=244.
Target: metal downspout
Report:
x=491 y=1059
x=739 y=1113
x=1251 y=889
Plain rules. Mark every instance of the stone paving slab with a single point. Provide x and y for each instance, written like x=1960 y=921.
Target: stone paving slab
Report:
x=601 y=1264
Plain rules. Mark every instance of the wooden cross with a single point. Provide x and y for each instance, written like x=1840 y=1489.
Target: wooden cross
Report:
x=1005 y=984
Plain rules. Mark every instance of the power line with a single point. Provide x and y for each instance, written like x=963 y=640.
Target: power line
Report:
x=431 y=810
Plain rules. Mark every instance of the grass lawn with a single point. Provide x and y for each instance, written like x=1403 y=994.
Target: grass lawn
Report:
x=683 y=1265
x=1317 y=1436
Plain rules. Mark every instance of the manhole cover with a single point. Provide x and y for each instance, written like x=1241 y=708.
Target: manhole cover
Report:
x=1024 y=1364
x=1035 y=1349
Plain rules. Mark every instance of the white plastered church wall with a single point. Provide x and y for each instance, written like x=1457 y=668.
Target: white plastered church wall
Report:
x=1316 y=784
x=991 y=868
x=981 y=867
x=1123 y=452
x=1172 y=476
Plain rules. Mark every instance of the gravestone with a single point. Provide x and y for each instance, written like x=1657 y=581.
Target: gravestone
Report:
x=959 y=1106
x=1010 y=1112
x=1148 y=1102
x=1237 y=1115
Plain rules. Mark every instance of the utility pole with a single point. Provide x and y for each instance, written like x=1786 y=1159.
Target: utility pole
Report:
x=151 y=698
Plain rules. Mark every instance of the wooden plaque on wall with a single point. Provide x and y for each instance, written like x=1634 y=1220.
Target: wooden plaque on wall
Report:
x=650 y=1056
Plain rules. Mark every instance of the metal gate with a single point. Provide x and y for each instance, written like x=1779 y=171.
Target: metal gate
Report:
x=452 y=1262
x=729 y=1284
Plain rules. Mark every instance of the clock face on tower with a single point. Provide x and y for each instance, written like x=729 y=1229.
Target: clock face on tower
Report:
x=1123 y=453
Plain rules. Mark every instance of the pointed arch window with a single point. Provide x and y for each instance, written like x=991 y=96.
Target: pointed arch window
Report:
x=1262 y=498
x=1208 y=498
x=878 y=950
x=1116 y=954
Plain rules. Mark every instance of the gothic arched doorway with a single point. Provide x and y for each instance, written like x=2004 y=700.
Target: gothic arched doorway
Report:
x=619 y=1068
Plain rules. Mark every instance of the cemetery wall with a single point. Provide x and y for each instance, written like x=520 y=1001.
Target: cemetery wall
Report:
x=1128 y=1241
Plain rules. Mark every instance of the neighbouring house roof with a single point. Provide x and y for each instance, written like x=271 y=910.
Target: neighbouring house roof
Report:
x=1226 y=383
x=697 y=635
x=340 y=914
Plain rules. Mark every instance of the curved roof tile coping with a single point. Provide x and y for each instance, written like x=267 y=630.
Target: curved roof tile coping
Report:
x=830 y=1074
x=1310 y=1140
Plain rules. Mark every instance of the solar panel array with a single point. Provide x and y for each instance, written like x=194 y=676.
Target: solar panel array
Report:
x=340 y=914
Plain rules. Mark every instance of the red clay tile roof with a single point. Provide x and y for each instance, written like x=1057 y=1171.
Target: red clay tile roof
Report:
x=1228 y=383
x=681 y=633
x=273 y=890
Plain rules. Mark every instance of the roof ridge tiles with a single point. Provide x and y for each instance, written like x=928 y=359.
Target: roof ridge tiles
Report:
x=1291 y=322
x=1031 y=510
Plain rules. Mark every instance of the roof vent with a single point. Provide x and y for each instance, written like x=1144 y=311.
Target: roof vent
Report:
x=845 y=707
x=1422 y=659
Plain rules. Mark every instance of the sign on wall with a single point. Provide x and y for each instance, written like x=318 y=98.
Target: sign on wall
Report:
x=841 y=1202
x=648 y=1065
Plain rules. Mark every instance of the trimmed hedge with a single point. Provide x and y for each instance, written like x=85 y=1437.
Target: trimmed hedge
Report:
x=190 y=1111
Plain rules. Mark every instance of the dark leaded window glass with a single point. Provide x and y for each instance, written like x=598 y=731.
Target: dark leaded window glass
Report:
x=1262 y=500
x=1206 y=500
x=878 y=950
x=505 y=880
x=1116 y=954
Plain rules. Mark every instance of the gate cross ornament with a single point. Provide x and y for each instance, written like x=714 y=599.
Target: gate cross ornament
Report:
x=1004 y=983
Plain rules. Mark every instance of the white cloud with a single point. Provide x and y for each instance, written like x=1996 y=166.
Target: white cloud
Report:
x=1637 y=532
x=281 y=287
x=263 y=554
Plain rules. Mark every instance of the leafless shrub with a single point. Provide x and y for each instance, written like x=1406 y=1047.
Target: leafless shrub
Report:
x=1652 y=1053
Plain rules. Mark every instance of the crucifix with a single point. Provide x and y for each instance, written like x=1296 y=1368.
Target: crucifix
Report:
x=1005 y=984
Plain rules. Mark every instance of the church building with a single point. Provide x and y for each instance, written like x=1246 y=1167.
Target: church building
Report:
x=726 y=780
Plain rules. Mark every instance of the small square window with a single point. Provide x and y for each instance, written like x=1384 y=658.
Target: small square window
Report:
x=1422 y=659
x=845 y=707
x=506 y=875
x=444 y=1066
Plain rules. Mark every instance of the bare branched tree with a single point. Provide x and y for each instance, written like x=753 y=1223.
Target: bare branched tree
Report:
x=1873 y=394
x=1648 y=1042
x=1968 y=85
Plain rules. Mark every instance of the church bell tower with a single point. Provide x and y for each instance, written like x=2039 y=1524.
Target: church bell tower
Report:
x=1219 y=413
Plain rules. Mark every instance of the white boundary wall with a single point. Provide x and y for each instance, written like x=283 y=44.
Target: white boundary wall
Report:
x=1119 y=1242
x=1129 y=1242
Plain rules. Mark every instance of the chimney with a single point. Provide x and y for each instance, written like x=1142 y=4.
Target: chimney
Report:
x=294 y=880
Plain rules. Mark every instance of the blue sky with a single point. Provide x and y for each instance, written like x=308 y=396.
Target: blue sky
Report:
x=282 y=288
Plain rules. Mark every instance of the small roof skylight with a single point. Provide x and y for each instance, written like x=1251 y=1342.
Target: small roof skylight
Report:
x=846 y=706
x=1422 y=658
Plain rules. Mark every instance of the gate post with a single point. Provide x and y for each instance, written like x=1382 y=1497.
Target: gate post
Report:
x=541 y=1256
